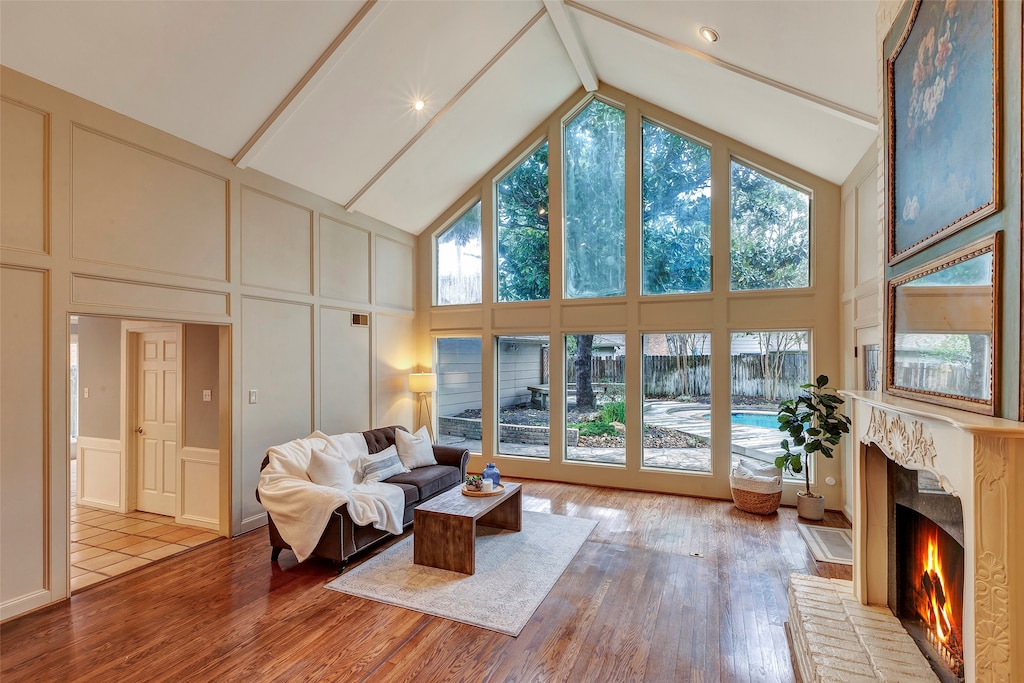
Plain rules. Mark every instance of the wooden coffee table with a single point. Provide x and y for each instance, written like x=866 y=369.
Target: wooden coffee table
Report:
x=444 y=528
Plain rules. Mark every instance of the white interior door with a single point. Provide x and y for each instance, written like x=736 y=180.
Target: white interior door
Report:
x=157 y=414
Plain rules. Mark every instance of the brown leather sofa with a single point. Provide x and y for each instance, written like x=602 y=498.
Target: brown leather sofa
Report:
x=342 y=538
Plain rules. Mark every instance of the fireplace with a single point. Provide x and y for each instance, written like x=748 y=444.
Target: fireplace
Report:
x=937 y=504
x=926 y=567
x=934 y=514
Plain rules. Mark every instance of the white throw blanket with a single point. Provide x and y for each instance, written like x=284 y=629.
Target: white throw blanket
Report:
x=301 y=509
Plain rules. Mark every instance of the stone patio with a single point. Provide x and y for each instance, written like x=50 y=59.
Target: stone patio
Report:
x=756 y=443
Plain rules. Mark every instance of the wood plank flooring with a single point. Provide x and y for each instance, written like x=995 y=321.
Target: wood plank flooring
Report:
x=666 y=588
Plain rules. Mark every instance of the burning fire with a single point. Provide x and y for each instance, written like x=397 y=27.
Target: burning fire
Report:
x=935 y=608
x=939 y=616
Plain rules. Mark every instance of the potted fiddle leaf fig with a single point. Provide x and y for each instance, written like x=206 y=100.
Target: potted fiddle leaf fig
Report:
x=815 y=425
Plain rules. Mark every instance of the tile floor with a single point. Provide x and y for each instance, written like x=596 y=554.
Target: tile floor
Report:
x=106 y=544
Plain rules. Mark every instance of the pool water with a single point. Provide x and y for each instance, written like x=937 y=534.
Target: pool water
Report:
x=765 y=420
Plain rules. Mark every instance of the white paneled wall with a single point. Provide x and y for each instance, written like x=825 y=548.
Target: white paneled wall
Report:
x=25 y=488
x=344 y=373
x=276 y=361
x=105 y=217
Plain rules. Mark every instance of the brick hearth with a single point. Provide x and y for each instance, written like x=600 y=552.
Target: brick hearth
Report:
x=836 y=638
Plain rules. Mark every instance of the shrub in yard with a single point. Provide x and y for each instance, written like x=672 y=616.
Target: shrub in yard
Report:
x=614 y=412
x=597 y=428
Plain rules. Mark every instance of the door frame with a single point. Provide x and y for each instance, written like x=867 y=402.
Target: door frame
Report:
x=130 y=331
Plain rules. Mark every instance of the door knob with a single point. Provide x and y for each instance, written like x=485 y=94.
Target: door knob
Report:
x=139 y=430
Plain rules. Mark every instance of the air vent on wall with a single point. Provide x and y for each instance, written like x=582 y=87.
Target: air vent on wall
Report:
x=360 y=320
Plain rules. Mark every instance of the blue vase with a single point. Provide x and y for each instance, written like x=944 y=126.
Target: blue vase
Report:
x=491 y=472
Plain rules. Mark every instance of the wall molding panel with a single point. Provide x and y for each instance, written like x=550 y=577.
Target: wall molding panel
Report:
x=100 y=466
x=344 y=261
x=142 y=297
x=198 y=499
x=177 y=221
x=276 y=243
x=24 y=177
x=31 y=508
x=344 y=373
x=393 y=284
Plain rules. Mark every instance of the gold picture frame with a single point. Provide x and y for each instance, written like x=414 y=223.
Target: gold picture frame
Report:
x=942 y=122
x=942 y=332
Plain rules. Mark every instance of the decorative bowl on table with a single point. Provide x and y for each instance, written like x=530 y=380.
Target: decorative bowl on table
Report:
x=474 y=482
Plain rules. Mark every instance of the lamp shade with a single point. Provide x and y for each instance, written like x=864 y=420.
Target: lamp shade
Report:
x=422 y=382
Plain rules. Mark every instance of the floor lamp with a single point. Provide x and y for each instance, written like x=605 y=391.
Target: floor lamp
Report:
x=423 y=383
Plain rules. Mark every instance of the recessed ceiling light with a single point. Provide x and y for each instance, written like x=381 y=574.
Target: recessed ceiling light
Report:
x=709 y=34
x=418 y=105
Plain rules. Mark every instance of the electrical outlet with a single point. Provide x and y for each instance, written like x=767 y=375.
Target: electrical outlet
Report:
x=85 y=392
x=252 y=396
x=207 y=395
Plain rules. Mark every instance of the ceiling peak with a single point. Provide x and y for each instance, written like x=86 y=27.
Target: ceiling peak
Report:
x=850 y=114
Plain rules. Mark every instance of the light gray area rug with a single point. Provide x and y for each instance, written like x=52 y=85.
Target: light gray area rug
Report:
x=829 y=544
x=514 y=572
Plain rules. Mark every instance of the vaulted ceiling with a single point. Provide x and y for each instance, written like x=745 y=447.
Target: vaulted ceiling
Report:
x=320 y=94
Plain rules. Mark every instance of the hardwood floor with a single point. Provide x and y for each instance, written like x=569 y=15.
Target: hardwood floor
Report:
x=666 y=588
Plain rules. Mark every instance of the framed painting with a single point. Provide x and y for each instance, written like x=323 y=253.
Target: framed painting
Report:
x=942 y=151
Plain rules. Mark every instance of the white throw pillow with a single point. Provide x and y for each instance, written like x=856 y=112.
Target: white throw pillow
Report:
x=329 y=470
x=415 y=450
x=380 y=466
x=351 y=446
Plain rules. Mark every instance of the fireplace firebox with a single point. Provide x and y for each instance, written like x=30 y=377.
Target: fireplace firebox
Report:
x=926 y=567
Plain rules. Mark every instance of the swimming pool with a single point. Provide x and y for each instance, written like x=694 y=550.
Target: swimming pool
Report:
x=765 y=420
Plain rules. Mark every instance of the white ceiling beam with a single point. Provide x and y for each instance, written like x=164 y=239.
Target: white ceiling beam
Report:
x=443 y=110
x=850 y=114
x=359 y=24
x=571 y=41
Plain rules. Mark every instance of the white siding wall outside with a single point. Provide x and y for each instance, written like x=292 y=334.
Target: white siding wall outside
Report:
x=458 y=375
x=519 y=366
x=459 y=368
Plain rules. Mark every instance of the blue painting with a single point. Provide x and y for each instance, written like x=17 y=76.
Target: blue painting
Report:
x=942 y=123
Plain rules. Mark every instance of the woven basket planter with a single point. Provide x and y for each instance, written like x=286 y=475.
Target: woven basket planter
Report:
x=758 y=503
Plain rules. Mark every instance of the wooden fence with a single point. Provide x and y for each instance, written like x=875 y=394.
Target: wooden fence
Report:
x=943 y=378
x=677 y=376
x=673 y=376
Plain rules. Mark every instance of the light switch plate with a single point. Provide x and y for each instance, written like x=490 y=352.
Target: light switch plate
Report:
x=252 y=396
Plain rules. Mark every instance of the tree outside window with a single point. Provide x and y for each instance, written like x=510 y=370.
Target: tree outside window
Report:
x=770 y=232
x=523 y=268
x=676 y=213
x=595 y=202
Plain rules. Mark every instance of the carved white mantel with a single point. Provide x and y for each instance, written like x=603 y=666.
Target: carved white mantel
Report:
x=978 y=459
